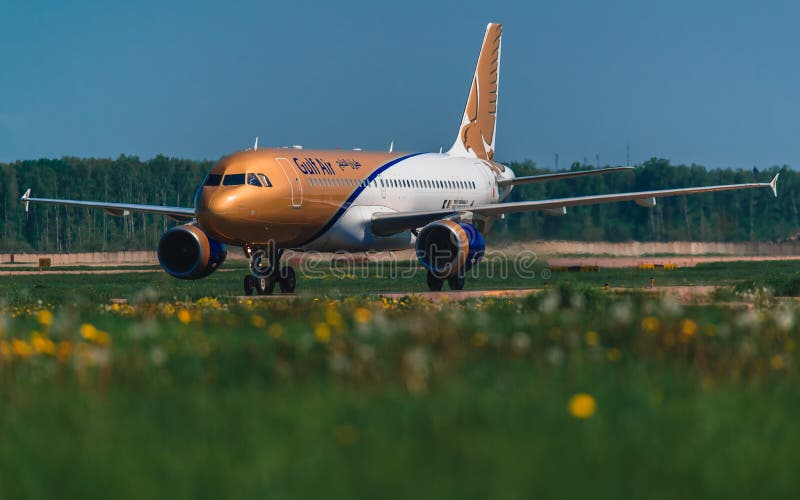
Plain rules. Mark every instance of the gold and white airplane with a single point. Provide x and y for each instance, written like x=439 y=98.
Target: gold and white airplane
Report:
x=270 y=200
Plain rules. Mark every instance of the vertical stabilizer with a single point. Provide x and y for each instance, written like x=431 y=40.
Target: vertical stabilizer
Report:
x=477 y=132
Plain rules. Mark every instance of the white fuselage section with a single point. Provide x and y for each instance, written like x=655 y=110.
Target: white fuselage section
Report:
x=428 y=181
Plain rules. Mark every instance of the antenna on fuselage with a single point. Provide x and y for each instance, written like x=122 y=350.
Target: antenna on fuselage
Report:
x=391 y=147
x=255 y=146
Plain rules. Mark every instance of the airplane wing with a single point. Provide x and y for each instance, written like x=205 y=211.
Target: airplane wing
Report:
x=558 y=176
x=387 y=223
x=118 y=209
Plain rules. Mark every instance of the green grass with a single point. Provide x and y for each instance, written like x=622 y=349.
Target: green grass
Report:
x=342 y=394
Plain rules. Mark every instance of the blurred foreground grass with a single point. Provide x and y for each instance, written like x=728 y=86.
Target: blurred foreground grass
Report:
x=571 y=392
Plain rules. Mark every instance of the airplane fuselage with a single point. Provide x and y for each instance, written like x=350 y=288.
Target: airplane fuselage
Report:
x=324 y=200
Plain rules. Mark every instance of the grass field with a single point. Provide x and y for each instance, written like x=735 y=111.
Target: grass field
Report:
x=188 y=392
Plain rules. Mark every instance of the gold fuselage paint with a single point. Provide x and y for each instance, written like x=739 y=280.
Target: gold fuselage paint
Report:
x=308 y=188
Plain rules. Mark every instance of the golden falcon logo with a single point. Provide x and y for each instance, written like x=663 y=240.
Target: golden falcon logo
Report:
x=477 y=133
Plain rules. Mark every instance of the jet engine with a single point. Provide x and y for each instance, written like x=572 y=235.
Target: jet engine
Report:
x=186 y=252
x=448 y=248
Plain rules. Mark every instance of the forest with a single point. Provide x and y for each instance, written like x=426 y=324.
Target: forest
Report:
x=751 y=215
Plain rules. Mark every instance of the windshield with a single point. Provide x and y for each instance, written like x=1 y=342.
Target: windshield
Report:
x=233 y=180
x=213 y=180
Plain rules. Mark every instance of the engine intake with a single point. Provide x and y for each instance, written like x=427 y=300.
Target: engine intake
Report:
x=186 y=252
x=448 y=248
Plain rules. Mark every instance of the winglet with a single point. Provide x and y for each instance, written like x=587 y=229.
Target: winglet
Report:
x=25 y=199
x=774 y=184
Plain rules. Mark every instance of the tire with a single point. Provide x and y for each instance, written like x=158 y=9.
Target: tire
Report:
x=287 y=280
x=249 y=284
x=456 y=282
x=434 y=283
x=265 y=286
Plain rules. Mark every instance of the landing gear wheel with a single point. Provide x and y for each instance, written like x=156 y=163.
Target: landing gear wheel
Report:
x=287 y=280
x=249 y=285
x=264 y=262
x=265 y=285
x=434 y=282
x=456 y=282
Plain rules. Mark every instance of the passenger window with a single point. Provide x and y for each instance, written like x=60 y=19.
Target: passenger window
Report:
x=233 y=180
x=213 y=180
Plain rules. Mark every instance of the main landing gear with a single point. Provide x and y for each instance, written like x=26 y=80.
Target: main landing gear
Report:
x=435 y=283
x=266 y=273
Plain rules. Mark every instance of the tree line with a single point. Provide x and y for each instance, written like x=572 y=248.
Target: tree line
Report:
x=752 y=215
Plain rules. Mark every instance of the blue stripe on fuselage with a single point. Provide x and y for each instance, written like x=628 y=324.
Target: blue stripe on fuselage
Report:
x=354 y=195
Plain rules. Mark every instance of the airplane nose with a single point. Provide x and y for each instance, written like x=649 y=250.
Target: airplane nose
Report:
x=216 y=210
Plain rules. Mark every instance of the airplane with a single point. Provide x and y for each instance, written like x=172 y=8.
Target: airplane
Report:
x=269 y=200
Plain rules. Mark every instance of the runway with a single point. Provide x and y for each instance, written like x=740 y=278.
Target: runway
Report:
x=682 y=294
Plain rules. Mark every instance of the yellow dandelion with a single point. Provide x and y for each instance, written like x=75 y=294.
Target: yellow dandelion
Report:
x=258 y=321
x=64 y=350
x=20 y=348
x=582 y=405
x=184 y=316
x=592 y=338
x=362 y=315
x=613 y=354
x=45 y=318
x=688 y=327
x=102 y=338
x=88 y=331
x=322 y=332
x=42 y=344
x=776 y=362
x=650 y=324
x=275 y=330
x=333 y=318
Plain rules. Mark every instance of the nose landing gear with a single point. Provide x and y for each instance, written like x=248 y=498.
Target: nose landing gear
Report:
x=266 y=272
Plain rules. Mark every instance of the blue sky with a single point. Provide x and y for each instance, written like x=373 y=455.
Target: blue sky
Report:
x=713 y=82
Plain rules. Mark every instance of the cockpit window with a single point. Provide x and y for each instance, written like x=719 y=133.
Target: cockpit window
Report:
x=213 y=180
x=233 y=180
x=265 y=180
x=252 y=180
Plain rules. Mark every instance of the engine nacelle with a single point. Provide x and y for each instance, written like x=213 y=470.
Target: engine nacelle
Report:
x=186 y=252
x=448 y=248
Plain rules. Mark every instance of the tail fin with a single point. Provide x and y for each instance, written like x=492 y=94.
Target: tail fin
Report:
x=477 y=133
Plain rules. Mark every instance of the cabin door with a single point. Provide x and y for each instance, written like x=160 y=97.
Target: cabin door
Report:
x=293 y=178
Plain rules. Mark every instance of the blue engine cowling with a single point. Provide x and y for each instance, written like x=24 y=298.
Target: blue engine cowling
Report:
x=448 y=248
x=186 y=252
